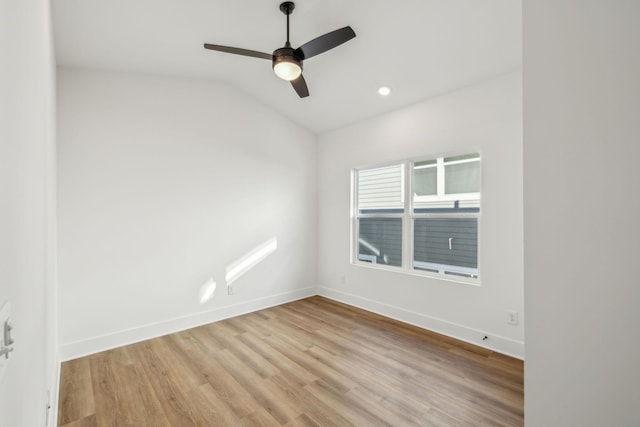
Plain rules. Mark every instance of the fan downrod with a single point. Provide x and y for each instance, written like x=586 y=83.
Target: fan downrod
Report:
x=287 y=7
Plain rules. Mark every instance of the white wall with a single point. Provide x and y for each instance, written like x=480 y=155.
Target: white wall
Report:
x=582 y=207
x=27 y=211
x=163 y=182
x=484 y=118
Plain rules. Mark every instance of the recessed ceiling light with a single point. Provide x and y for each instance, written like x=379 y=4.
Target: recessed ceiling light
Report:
x=384 y=90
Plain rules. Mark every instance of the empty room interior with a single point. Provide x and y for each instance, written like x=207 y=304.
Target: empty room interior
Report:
x=319 y=213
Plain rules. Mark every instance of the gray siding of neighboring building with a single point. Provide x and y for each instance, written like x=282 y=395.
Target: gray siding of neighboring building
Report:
x=385 y=234
x=431 y=237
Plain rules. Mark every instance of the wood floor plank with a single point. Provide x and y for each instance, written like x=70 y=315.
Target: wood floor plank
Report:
x=322 y=371
x=169 y=386
x=170 y=355
x=252 y=359
x=146 y=399
x=260 y=418
x=76 y=390
x=373 y=403
x=283 y=364
x=314 y=410
x=352 y=410
x=216 y=411
x=313 y=362
x=267 y=394
x=203 y=338
x=115 y=405
x=225 y=386
x=89 y=421
x=302 y=421
x=257 y=325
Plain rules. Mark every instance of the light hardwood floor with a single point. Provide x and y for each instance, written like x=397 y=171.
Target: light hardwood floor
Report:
x=313 y=362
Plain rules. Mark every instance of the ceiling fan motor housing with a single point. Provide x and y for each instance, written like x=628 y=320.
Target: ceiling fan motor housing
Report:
x=286 y=54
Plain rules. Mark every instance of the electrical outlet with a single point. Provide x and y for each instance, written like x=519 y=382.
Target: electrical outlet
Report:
x=230 y=289
x=512 y=317
x=342 y=278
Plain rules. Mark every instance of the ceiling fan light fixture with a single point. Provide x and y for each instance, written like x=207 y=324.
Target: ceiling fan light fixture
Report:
x=287 y=68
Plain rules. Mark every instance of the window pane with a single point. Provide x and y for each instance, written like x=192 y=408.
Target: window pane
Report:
x=380 y=241
x=381 y=188
x=448 y=245
x=425 y=181
x=462 y=178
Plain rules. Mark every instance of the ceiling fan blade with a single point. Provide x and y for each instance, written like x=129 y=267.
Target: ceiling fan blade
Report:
x=238 y=51
x=300 y=85
x=324 y=43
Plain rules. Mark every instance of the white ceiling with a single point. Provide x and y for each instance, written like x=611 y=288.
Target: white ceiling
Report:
x=421 y=48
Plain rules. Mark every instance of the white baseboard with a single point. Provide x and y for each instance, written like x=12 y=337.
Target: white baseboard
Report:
x=82 y=348
x=493 y=342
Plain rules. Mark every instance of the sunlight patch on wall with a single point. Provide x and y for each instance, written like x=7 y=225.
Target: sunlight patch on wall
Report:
x=252 y=258
x=207 y=290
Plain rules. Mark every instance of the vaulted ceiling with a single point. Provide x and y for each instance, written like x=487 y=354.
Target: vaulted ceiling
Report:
x=420 y=48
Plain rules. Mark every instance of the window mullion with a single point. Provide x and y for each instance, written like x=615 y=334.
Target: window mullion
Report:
x=440 y=176
x=407 y=258
x=355 y=232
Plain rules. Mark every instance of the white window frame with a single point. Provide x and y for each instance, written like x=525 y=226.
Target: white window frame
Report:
x=356 y=215
x=408 y=216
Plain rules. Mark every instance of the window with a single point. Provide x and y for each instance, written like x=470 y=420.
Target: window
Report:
x=380 y=215
x=419 y=217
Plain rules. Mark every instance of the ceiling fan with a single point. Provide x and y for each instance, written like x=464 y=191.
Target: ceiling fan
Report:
x=287 y=61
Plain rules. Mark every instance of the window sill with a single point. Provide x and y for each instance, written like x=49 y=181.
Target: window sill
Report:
x=418 y=273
